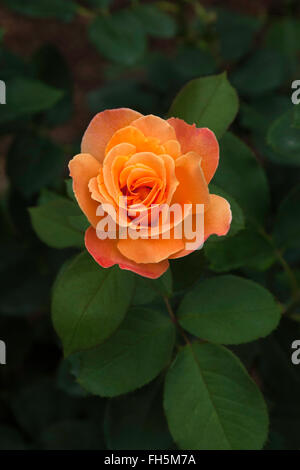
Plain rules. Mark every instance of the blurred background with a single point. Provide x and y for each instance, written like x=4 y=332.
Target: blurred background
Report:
x=63 y=61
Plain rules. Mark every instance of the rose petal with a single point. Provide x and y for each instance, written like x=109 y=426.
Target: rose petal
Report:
x=102 y=127
x=148 y=159
x=154 y=126
x=98 y=193
x=94 y=188
x=120 y=150
x=202 y=141
x=192 y=186
x=83 y=168
x=149 y=250
x=164 y=218
x=134 y=136
x=173 y=148
x=217 y=220
x=171 y=179
x=106 y=253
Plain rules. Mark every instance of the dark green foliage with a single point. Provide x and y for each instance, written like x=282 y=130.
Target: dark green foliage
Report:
x=119 y=38
x=126 y=362
x=198 y=395
x=208 y=102
x=60 y=9
x=34 y=162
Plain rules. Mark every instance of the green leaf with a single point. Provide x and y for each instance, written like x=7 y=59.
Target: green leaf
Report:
x=151 y=290
x=281 y=286
x=284 y=138
x=27 y=96
x=119 y=37
x=52 y=223
x=79 y=222
x=287 y=224
x=161 y=74
x=240 y=174
x=211 y=403
x=236 y=33
x=228 y=309
x=65 y=379
x=284 y=36
x=144 y=292
x=238 y=220
x=246 y=248
x=34 y=162
x=192 y=62
x=12 y=66
x=132 y=357
x=89 y=302
x=188 y=269
x=46 y=195
x=208 y=102
x=264 y=71
x=69 y=189
x=266 y=151
x=61 y=9
x=155 y=22
x=69 y=215
x=164 y=284
x=261 y=112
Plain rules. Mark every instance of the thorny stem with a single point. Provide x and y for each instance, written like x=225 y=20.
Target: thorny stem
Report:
x=293 y=281
x=175 y=321
x=290 y=274
x=292 y=305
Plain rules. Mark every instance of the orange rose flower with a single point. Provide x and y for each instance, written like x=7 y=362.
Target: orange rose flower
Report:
x=151 y=162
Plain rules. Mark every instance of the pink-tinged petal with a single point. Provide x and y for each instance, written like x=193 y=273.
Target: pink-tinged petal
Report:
x=217 y=220
x=102 y=127
x=83 y=168
x=202 y=141
x=106 y=253
x=149 y=250
x=154 y=126
x=192 y=186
